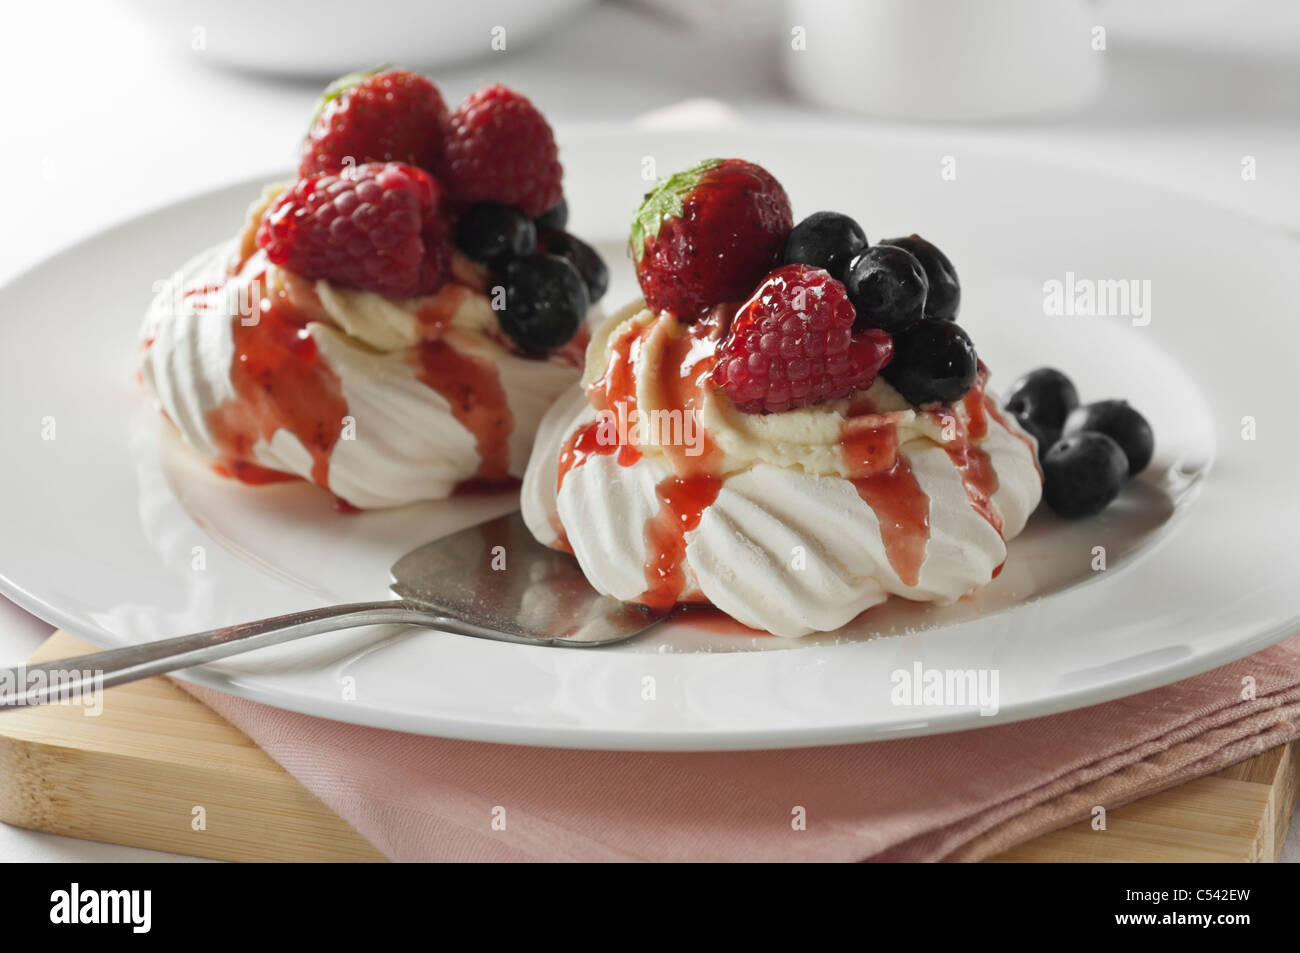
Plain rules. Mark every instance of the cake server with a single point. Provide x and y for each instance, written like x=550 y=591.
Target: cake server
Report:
x=491 y=581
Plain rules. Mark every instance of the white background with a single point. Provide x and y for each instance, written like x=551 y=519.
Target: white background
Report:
x=103 y=117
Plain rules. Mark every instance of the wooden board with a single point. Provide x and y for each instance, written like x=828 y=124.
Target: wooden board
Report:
x=1240 y=814
x=138 y=773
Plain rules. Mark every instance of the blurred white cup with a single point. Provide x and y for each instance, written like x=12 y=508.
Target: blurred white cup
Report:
x=947 y=59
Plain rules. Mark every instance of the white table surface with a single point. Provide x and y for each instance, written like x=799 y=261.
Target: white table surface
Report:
x=102 y=120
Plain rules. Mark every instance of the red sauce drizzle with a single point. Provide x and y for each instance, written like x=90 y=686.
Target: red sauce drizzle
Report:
x=973 y=465
x=694 y=484
x=592 y=441
x=614 y=389
x=885 y=482
x=280 y=382
x=978 y=477
x=977 y=410
x=202 y=291
x=472 y=386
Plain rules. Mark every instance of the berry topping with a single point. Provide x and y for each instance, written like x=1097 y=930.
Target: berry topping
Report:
x=709 y=235
x=375 y=227
x=491 y=232
x=943 y=299
x=1040 y=401
x=934 y=361
x=825 y=240
x=1117 y=420
x=554 y=218
x=1082 y=473
x=887 y=286
x=546 y=301
x=501 y=149
x=585 y=258
x=792 y=344
x=393 y=116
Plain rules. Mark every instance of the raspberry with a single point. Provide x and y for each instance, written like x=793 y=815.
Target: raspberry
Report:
x=376 y=227
x=501 y=149
x=792 y=344
x=393 y=116
x=708 y=235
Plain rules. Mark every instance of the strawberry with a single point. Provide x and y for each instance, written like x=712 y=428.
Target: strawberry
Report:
x=708 y=235
x=389 y=116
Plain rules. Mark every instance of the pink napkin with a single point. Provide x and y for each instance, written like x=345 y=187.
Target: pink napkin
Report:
x=961 y=796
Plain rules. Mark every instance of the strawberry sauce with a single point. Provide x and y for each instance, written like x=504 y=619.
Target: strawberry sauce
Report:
x=977 y=477
x=472 y=386
x=972 y=464
x=280 y=382
x=615 y=388
x=687 y=358
x=885 y=482
x=884 y=478
x=694 y=485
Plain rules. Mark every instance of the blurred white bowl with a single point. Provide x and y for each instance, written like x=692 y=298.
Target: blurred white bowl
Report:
x=947 y=59
x=327 y=38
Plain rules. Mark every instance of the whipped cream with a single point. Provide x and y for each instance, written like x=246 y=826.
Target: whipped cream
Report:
x=792 y=522
x=383 y=402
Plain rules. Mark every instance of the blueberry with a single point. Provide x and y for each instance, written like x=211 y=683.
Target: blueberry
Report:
x=1045 y=396
x=933 y=361
x=490 y=232
x=824 y=240
x=1082 y=473
x=585 y=258
x=555 y=217
x=546 y=301
x=1117 y=420
x=944 y=297
x=887 y=287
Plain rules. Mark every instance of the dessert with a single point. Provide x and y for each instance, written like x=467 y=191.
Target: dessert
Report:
x=393 y=324
x=790 y=426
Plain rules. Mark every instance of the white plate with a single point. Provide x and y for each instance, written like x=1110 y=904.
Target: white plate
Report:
x=114 y=531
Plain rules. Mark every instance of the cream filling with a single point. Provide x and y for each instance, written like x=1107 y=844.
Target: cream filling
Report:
x=388 y=325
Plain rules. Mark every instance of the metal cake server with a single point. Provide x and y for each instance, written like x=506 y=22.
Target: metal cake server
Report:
x=491 y=581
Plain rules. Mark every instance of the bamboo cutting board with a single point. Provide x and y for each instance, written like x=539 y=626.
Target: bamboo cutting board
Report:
x=158 y=769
